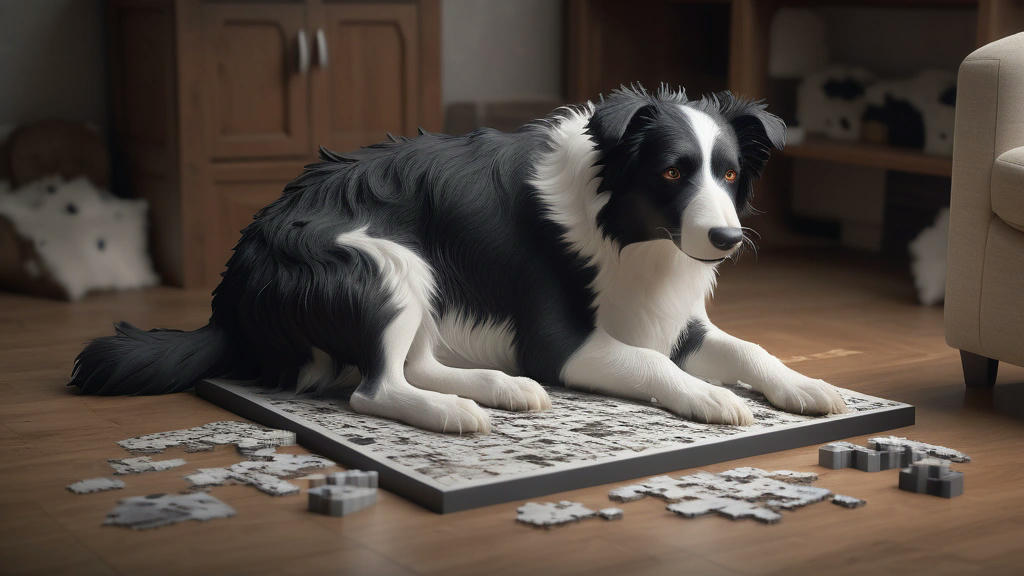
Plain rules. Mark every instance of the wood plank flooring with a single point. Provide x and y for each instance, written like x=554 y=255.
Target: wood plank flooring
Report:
x=802 y=307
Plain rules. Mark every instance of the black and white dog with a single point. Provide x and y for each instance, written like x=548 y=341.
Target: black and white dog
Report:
x=446 y=271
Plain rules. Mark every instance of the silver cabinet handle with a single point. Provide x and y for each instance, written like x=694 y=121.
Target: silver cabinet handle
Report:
x=321 y=47
x=303 y=52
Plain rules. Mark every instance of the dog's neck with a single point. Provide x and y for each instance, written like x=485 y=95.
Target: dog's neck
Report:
x=644 y=292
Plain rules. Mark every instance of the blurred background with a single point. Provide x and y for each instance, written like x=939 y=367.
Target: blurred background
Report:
x=165 y=125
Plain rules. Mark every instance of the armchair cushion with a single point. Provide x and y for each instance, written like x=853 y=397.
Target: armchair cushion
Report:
x=1008 y=187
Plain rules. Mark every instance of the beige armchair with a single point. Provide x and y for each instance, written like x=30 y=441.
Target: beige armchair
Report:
x=985 y=278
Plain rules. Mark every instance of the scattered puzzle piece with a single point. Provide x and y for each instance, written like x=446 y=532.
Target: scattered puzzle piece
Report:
x=284 y=465
x=728 y=507
x=847 y=501
x=266 y=483
x=839 y=455
x=627 y=493
x=747 y=473
x=246 y=435
x=610 y=513
x=340 y=499
x=363 y=478
x=208 y=477
x=836 y=456
x=932 y=476
x=738 y=493
x=883 y=453
x=930 y=449
x=265 y=475
x=142 y=464
x=155 y=510
x=550 y=514
x=91 y=485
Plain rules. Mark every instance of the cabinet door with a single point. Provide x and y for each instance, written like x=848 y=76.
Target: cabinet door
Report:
x=256 y=93
x=235 y=192
x=370 y=77
x=235 y=204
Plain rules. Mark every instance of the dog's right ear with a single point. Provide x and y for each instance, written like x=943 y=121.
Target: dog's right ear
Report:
x=614 y=115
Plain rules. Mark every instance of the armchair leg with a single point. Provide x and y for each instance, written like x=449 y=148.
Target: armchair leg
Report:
x=979 y=371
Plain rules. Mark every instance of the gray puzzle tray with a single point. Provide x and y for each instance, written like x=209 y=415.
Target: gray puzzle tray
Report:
x=584 y=440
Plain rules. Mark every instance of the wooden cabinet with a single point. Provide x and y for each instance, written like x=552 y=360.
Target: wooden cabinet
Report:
x=372 y=55
x=256 y=97
x=240 y=95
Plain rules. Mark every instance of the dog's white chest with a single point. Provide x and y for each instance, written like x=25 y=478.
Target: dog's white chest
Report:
x=646 y=295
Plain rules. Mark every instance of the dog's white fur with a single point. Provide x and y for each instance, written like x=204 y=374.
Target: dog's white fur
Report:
x=416 y=387
x=645 y=294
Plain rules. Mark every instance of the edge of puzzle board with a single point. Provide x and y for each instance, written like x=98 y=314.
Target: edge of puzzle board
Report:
x=421 y=489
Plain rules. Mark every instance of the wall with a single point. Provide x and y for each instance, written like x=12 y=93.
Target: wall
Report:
x=501 y=50
x=52 y=56
x=895 y=42
x=52 y=61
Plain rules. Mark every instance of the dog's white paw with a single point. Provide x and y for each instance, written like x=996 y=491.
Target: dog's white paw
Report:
x=516 y=393
x=710 y=404
x=427 y=410
x=805 y=395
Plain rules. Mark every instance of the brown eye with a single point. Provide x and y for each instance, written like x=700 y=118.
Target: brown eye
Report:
x=671 y=174
x=730 y=175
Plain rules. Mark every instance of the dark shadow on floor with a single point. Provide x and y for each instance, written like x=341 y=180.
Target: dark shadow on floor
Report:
x=1003 y=398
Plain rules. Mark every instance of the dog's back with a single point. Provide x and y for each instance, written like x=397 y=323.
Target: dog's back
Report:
x=463 y=205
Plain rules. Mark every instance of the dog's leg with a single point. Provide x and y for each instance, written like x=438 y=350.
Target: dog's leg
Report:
x=606 y=365
x=390 y=395
x=714 y=354
x=488 y=387
x=384 y=390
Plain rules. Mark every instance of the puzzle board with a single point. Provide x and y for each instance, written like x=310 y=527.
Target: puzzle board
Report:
x=584 y=440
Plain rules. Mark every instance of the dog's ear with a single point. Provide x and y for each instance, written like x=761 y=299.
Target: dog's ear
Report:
x=617 y=115
x=757 y=132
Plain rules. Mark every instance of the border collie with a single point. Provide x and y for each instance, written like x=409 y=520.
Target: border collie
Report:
x=438 y=273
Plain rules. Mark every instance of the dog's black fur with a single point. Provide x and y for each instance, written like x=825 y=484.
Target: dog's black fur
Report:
x=465 y=205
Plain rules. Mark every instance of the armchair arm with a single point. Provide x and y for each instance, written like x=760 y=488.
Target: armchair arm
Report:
x=989 y=122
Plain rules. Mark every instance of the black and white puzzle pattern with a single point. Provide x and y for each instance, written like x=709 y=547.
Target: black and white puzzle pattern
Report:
x=579 y=429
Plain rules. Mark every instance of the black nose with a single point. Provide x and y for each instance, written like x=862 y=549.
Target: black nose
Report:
x=725 y=237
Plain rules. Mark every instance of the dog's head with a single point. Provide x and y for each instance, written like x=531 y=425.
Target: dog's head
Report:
x=681 y=169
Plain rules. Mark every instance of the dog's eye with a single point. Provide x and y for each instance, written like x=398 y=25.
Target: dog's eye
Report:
x=671 y=174
x=730 y=175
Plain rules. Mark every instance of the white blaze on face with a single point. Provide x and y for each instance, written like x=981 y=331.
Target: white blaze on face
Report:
x=712 y=206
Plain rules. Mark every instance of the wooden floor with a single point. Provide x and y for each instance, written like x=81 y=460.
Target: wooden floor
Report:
x=797 y=307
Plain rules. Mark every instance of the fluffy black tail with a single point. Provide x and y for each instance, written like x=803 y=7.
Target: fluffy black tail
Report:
x=134 y=361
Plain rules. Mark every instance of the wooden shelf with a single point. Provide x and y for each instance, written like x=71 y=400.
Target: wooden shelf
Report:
x=873 y=155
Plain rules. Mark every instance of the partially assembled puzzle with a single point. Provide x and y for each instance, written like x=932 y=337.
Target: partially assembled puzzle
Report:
x=583 y=440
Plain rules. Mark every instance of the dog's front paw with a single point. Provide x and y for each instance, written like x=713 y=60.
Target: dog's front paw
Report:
x=711 y=404
x=806 y=396
x=515 y=393
x=427 y=410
